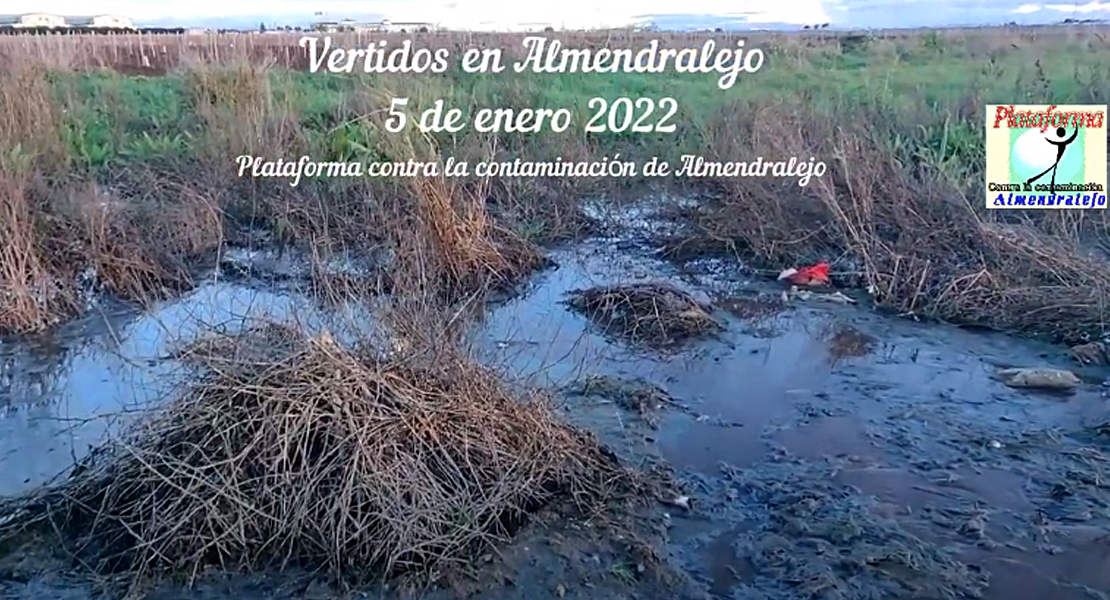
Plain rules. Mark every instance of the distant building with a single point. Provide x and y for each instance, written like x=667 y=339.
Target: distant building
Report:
x=384 y=26
x=331 y=26
x=101 y=22
x=335 y=26
x=32 y=20
x=409 y=27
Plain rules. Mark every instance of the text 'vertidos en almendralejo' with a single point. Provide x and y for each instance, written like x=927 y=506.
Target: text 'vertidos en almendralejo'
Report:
x=543 y=56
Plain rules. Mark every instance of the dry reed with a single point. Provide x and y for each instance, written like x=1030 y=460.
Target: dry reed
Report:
x=655 y=313
x=289 y=450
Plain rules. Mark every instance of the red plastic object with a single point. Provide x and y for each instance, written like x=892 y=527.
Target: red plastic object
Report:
x=817 y=274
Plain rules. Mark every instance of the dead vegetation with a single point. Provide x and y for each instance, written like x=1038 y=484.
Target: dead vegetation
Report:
x=917 y=234
x=653 y=313
x=60 y=247
x=752 y=309
x=637 y=395
x=643 y=398
x=140 y=231
x=1092 y=353
x=287 y=450
x=846 y=341
x=460 y=241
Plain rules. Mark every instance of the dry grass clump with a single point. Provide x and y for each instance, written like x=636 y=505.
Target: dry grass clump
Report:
x=240 y=112
x=460 y=243
x=654 y=312
x=636 y=395
x=753 y=309
x=1092 y=353
x=846 y=341
x=59 y=246
x=290 y=450
x=1033 y=280
x=30 y=299
x=142 y=238
x=29 y=119
x=633 y=394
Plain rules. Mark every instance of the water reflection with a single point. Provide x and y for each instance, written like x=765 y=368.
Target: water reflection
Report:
x=62 y=394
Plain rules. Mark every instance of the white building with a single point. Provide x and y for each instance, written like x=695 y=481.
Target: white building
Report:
x=102 y=22
x=32 y=20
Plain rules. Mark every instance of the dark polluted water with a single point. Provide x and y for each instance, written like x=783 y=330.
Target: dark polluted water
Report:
x=827 y=452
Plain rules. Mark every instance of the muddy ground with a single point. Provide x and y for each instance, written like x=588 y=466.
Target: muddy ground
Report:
x=826 y=451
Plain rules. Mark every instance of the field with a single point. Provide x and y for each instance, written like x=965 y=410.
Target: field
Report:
x=897 y=118
x=119 y=179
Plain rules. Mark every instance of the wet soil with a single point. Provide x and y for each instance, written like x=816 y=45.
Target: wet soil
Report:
x=824 y=451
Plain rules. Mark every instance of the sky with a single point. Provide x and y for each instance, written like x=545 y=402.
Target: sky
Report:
x=502 y=14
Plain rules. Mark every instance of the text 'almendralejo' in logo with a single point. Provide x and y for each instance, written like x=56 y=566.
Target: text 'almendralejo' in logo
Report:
x=1041 y=156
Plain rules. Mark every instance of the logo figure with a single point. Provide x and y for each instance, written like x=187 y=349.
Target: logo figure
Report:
x=1061 y=148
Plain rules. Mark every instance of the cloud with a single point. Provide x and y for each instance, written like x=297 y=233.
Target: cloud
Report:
x=1088 y=8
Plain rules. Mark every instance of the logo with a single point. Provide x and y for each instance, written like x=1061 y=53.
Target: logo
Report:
x=1046 y=156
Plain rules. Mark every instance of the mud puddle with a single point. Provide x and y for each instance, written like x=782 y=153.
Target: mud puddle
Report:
x=943 y=473
x=826 y=452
